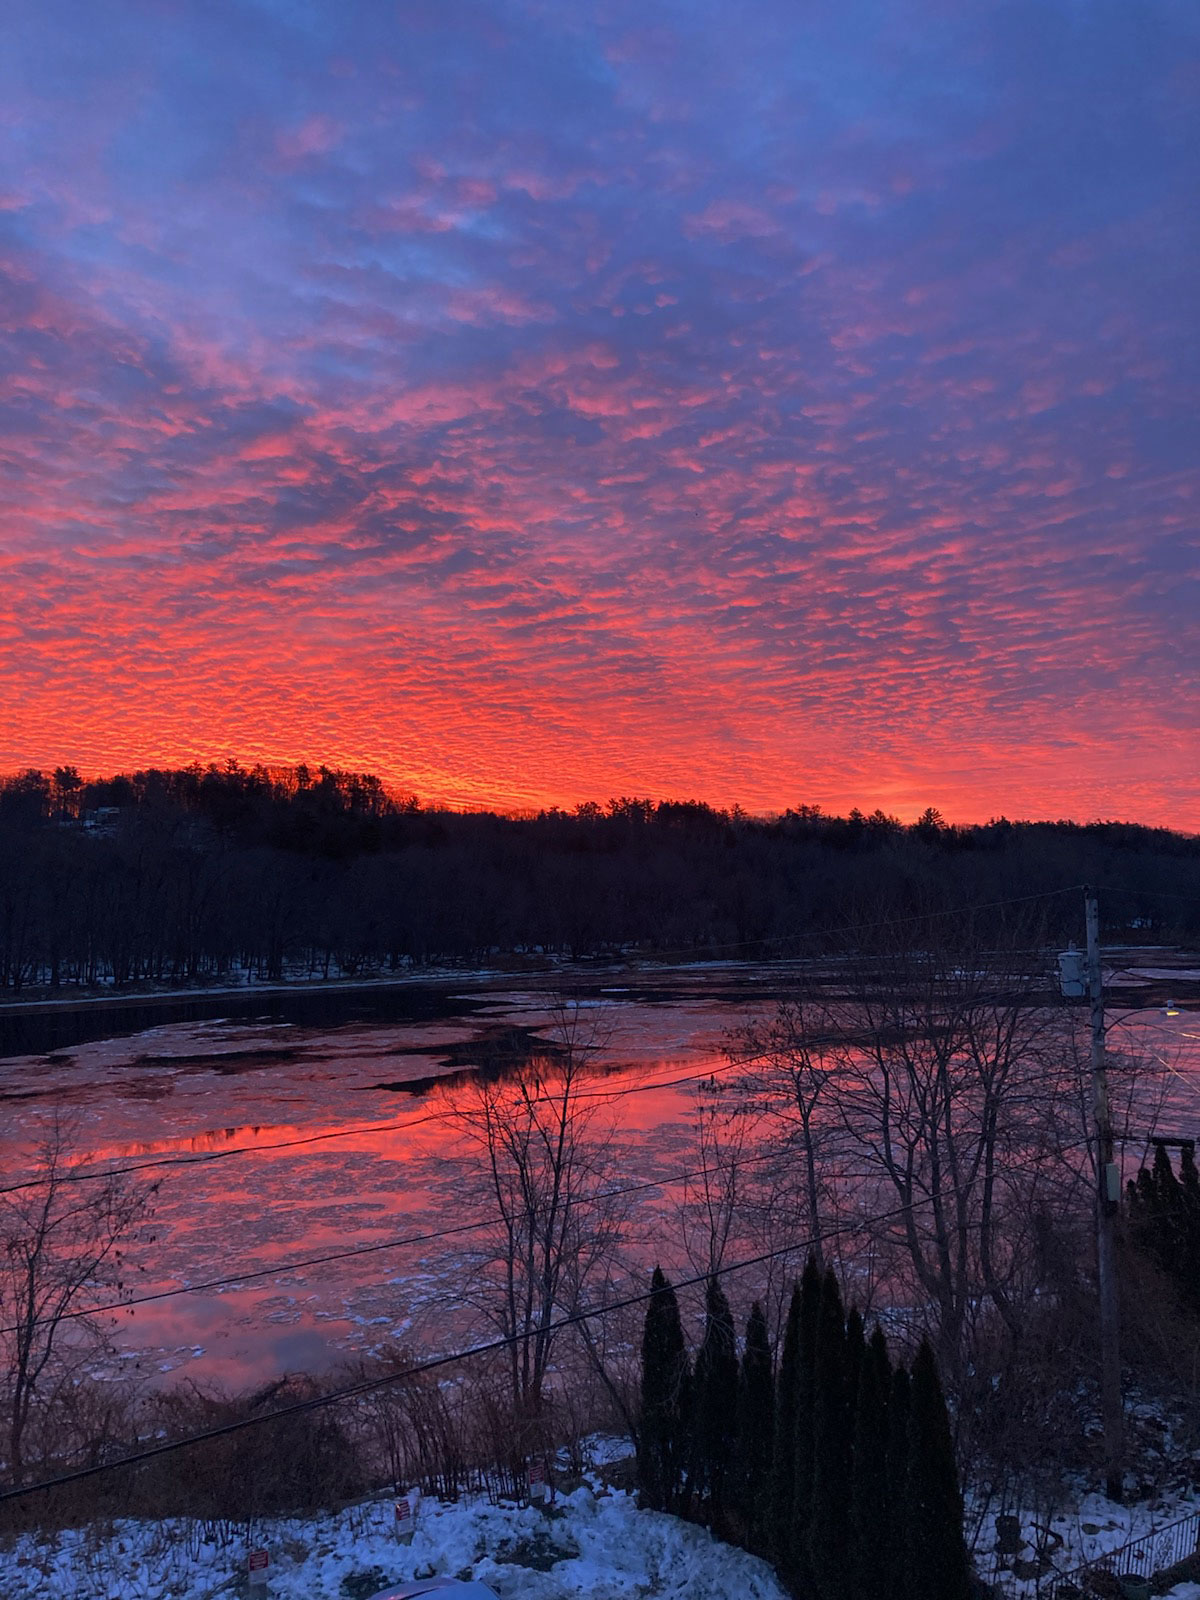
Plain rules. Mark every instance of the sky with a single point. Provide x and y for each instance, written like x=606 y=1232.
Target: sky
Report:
x=771 y=403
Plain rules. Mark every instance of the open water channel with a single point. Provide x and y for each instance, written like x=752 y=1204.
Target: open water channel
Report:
x=295 y=1123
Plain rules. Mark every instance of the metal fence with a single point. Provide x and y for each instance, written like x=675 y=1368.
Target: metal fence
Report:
x=1140 y=1558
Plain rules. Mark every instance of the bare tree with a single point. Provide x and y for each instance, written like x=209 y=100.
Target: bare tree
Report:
x=954 y=1085
x=712 y=1202
x=790 y=1085
x=545 y=1141
x=61 y=1256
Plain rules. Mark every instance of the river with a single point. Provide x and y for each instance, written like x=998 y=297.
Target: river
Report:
x=298 y=1123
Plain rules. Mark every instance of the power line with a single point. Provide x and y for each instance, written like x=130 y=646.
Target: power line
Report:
x=1154 y=894
x=71 y=1176
x=487 y=1347
x=773 y=1155
x=367 y=1386
x=284 y=1268
x=208 y=1156
x=354 y=1130
x=299 y=1265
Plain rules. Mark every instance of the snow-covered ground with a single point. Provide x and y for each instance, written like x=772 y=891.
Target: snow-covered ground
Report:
x=595 y=1543
x=1083 y=1529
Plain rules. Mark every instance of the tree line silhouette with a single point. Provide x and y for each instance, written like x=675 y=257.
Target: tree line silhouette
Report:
x=187 y=876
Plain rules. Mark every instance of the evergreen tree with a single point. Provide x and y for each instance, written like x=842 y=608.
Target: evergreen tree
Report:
x=1168 y=1221
x=828 y=1521
x=792 y=1475
x=935 y=1553
x=663 y=1441
x=715 y=1402
x=1188 y=1175
x=1141 y=1203
x=811 y=1287
x=756 y=1427
x=870 y=1506
x=856 y=1349
x=1164 y=1220
x=895 y=1585
x=783 y=1462
x=1189 y=1268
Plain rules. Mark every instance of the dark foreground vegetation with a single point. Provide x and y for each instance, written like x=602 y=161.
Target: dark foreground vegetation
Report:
x=191 y=876
x=840 y=1469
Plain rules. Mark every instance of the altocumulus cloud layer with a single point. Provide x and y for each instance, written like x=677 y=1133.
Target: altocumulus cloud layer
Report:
x=535 y=401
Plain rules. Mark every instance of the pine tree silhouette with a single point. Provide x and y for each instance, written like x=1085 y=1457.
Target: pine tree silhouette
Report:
x=803 y=1440
x=1164 y=1221
x=870 y=1506
x=663 y=1442
x=829 y=1509
x=895 y=1584
x=715 y=1404
x=1189 y=1268
x=935 y=1554
x=792 y=1476
x=756 y=1428
x=856 y=1349
x=783 y=1464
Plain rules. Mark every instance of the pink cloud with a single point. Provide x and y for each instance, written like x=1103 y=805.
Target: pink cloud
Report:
x=315 y=136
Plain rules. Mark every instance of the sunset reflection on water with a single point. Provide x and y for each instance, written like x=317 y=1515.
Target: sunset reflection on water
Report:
x=275 y=1144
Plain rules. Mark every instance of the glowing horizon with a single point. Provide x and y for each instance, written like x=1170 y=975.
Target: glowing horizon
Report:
x=532 y=405
x=468 y=800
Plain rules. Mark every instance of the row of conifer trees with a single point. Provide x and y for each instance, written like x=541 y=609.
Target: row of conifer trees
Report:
x=838 y=1466
x=1164 y=1221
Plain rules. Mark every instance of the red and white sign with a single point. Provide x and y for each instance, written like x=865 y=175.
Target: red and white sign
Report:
x=406 y=1515
x=258 y=1561
x=537 y=1472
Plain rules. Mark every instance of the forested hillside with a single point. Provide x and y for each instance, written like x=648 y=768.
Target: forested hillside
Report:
x=186 y=876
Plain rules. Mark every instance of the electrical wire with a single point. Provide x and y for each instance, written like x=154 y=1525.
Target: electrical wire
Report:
x=283 y=1269
x=1153 y=894
x=286 y=1268
x=434 y=1363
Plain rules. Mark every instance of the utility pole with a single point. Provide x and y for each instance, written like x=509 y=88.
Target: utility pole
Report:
x=1108 y=1195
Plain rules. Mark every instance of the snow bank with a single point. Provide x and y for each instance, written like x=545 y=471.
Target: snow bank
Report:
x=594 y=1543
